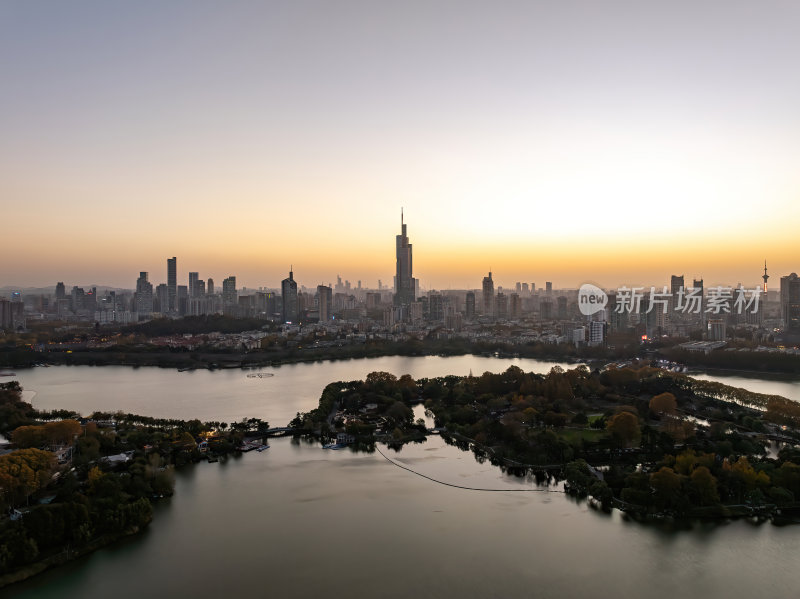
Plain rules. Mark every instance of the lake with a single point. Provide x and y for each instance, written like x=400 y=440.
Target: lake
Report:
x=300 y=521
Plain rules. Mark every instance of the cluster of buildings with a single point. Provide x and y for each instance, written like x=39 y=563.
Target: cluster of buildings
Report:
x=543 y=312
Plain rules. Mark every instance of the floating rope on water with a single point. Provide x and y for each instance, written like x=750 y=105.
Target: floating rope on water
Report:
x=441 y=482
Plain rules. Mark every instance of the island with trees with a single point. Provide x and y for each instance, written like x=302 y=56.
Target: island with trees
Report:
x=650 y=442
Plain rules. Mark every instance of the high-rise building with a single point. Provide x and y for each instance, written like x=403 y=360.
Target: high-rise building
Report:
x=325 y=302
x=182 y=300
x=470 y=305
x=12 y=315
x=172 y=284
x=548 y=286
x=675 y=284
x=698 y=284
x=290 y=311
x=716 y=330
x=404 y=283
x=515 y=308
x=143 y=298
x=77 y=296
x=790 y=302
x=546 y=309
x=488 y=295
x=162 y=295
x=229 y=293
x=373 y=300
x=561 y=302
x=194 y=279
x=61 y=291
x=501 y=305
x=435 y=307
x=597 y=330
x=210 y=286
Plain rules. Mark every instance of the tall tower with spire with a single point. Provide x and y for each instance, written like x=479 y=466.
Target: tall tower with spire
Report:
x=404 y=283
x=488 y=295
x=765 y=277
x=290 y=312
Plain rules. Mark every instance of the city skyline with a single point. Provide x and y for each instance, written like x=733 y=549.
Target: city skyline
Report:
x=572 y=143
x=173 y=279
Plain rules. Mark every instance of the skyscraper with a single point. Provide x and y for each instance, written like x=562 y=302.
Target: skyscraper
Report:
x=404 y=284
x=194 y=278
x=470 y=305
x=143 y=298
x=501 y=305
x=325 y=299
x=229 y=292
x=435 y=307
x=515 y=305
x=162 y=295
x=488 y=295
x=172 y=284
x=289 y=293
x=790 y=302
x=675 y=284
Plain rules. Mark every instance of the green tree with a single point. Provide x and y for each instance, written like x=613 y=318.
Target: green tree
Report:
x=666 y=484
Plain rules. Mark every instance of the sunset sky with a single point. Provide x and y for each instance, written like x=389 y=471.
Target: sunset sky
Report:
x=611 y=142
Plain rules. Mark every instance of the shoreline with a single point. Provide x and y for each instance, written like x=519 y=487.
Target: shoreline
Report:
x=184 y=362
x=65 y=557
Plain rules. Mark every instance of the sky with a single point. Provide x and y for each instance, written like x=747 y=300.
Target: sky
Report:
x=574 y=141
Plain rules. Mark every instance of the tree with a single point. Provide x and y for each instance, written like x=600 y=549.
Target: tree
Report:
x=24 y=471
x=625 y=428
x=705 y=486
x=380 y=377
x=399 y=413
x=664 y=403
x=187 y=441
x=28 y=436
x=666 y=484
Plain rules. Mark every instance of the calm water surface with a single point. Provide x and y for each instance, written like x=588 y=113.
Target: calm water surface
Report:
x=229 y=395
x=300 y=521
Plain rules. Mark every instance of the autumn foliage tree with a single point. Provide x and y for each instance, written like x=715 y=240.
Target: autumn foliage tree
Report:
x=50 y=433
x=664 y=403
x=625 y=428
x=22 y=472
